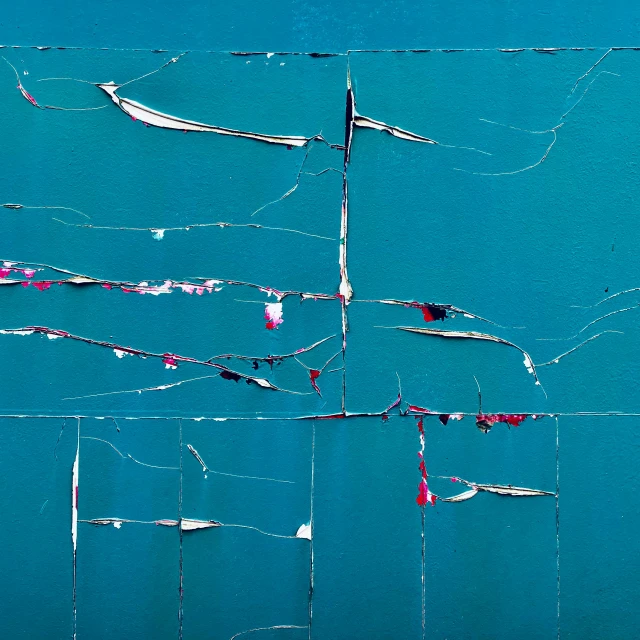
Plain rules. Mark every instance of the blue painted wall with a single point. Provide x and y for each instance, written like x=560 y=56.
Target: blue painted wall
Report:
x=520 y=220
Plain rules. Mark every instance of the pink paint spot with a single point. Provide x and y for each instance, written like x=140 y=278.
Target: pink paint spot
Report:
x=4 y=273
x=454 y=479
x=169 y=362
x=186 y=288
x=273 y=316
x=107 y=286
x=134 y=118
x=423 y=494
x=41 y=286
x=25 y=284
x=29 y=273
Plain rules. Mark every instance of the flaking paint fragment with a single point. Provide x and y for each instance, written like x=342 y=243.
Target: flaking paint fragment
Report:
x=170 y=360
x=431 y=311
x=153 y=287
x=475 y=335
x=397 y=132
x=29 y=98
x=365 y=122
x=154 y=118
x=485 y=422
x=151 y=117
x=304 y=531
x=273 y=314
x=314 y=374
x=424 y=495
x=500 y=489
x=188 y=524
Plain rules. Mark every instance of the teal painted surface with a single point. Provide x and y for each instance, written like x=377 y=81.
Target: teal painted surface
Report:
x=533 y=252
x=311 y=25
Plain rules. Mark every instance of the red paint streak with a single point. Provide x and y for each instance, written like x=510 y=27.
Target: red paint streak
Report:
x=414 y=408
x=426 y=314
x=422 y=496
x=41 y=286
x=27 y=95
x=395 y=403
x=513 y=419
x=314 y=374
x=76 y=497
x=270 y=325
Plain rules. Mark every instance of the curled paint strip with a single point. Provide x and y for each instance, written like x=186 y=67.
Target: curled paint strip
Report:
x=475 y=335
x=500 y=489
x=169 y=359
x=152 y=287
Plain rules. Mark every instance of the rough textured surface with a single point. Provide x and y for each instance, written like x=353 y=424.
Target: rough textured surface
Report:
x=375 y=382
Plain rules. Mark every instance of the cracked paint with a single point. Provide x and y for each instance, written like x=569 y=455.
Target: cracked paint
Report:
x=429 y=221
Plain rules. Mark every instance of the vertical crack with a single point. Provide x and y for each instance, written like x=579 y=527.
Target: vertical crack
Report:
x=558 y=523
x=424 y=589
x=346 y=292
x=74 y=528
x=181 y=562
x=313 y=474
